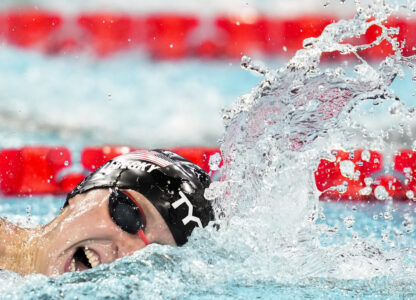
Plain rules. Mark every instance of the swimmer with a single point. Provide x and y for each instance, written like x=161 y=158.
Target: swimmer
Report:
x=136 y=199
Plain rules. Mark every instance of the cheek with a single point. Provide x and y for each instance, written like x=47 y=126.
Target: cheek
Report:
x=128 y=244
x=104 y=224
x=89 y=227
x=108 y=253
x=97 y=218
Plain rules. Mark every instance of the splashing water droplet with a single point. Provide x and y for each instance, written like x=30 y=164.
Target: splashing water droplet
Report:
x=388 y=216
x=28 y=211
x=385 y=236
x=342 y=188
x=216 y=189
x=366 y=191
x=408 y=224
x=410 y=195
x=349 y=221
x=347 y=168
x=381 y=193
x=365 y=155
x=214 y=161
x=368 y=181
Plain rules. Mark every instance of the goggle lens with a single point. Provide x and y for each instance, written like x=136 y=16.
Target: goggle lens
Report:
x=125 y=212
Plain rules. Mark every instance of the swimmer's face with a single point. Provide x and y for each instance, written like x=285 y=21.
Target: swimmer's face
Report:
x=84 y=234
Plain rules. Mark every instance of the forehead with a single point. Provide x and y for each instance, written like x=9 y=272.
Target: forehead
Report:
x=90 y=198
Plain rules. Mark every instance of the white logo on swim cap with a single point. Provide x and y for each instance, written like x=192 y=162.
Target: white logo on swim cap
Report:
x=122 y=163
x=189 y=217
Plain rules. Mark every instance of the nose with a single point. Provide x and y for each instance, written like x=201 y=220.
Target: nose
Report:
x=128 y=244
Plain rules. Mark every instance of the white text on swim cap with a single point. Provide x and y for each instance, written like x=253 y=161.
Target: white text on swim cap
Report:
x=143 y=166
x=139 y=165
x=189 y=217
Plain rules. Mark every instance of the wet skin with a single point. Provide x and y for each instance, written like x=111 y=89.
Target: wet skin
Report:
x=83 y=228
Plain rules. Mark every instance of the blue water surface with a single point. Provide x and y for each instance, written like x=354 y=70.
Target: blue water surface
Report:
x=164 y=272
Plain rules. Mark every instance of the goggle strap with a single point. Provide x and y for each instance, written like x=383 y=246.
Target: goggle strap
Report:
x=143 y=237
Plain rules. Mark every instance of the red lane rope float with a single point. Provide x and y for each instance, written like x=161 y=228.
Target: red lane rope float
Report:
x=93 y=157
x=108 y=33
x=173 y=36
x=32 y=170
x=243 y=35
x=360 y=175
x=166 y=35
x=37 y=170
x=30 y=28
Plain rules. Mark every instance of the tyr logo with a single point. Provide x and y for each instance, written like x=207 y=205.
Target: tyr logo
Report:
x=189 y=217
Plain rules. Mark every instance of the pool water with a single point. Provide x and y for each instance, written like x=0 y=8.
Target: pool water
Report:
x=362 y=264
x=68 y=100
x=275 y=239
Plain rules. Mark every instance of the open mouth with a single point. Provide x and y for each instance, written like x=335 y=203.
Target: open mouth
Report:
x=83 y=259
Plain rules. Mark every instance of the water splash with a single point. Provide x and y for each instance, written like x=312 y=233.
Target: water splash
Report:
x=276 y=135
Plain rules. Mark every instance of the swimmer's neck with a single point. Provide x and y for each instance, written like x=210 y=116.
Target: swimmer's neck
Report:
x=19 y=248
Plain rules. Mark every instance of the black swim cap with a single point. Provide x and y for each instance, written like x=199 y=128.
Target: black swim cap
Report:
x=173 y=184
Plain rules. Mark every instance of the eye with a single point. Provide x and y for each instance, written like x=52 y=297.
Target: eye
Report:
x=125 y=213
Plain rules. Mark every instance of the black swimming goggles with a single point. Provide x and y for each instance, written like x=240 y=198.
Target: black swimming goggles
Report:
x=126 y=213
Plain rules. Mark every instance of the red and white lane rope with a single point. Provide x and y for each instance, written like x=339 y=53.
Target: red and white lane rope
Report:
x=359 y=175
x=176 y=35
